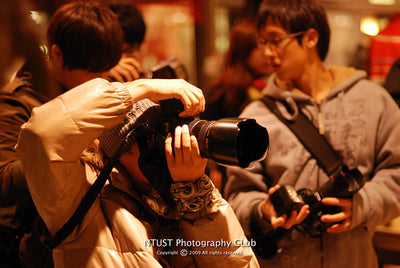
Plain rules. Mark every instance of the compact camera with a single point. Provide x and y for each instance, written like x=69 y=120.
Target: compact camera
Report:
x=343 y=184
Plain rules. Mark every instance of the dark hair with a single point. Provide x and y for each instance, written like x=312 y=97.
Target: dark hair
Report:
x=131 y=21
x=236 y=77
x=88 y=35
x=296 y=16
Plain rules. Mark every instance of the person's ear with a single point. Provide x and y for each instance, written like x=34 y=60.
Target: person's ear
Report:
x=57 y=56
x=311 y=38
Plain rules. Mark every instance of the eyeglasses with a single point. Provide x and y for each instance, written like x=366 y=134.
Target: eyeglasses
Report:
x=274 y=44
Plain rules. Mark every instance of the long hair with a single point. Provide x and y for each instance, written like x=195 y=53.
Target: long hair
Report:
x=236 y=77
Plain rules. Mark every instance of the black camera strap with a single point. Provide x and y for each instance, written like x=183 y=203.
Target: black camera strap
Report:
x=87 y=201
x=83 y=207
x=327 y=158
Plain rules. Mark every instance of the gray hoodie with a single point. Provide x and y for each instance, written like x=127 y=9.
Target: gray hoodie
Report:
x=362 y=122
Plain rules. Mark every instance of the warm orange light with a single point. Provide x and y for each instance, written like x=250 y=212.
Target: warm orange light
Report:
x=382 y=2
x=369 y=26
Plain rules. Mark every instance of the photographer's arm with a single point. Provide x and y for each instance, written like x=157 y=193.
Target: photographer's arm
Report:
x=249 y=197
x=162 y=89
x=51 y=143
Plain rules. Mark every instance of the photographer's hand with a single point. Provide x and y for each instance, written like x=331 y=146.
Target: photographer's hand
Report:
x=127 y=69
x=343 y=218
x=187 y=163
x=162 y=89
x=270 y=215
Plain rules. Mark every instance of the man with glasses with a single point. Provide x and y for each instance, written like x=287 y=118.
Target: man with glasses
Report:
x=357 y=117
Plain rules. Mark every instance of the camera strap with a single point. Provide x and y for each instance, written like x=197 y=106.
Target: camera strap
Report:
x=327 y=158
x=87 y=201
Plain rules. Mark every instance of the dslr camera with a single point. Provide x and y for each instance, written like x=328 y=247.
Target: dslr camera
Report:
x=228 y=141
x=342 y=184
x=168 y=69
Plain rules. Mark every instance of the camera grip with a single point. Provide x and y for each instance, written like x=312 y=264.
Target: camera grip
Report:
x=285 y=200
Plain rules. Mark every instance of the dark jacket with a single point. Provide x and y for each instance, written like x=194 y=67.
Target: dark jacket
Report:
x=17 y=211
x=17 y=99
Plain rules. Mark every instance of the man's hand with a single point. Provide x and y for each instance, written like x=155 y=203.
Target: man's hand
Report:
x=127 y=69
x=270 y=215
x=343 y=218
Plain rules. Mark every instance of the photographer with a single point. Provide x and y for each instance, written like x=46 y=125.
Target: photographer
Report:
x=128 y=225
x=359 y=120
x=129 y=67
x=78 y=36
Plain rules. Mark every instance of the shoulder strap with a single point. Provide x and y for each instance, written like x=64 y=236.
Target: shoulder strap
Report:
x=83 y=207
x=312 y=140
x=88 y=200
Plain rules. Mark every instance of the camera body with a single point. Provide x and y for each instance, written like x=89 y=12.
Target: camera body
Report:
x=228 y=141
x=169 y=68
x=342 y=184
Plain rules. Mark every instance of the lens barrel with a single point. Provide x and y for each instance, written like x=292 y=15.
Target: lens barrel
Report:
x=231 y=141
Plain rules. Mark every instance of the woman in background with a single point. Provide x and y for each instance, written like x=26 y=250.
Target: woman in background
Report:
x=239 y=83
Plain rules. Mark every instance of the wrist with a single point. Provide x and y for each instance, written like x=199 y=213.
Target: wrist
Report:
x=264 y=217
x=194 y=200
x=138 y=89
x=193 y=196
x=259 y=224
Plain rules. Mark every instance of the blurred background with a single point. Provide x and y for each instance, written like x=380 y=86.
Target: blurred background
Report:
x=365 y=34
x=197 y=31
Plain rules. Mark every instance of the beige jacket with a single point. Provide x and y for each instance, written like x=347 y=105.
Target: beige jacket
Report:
x=118 y=230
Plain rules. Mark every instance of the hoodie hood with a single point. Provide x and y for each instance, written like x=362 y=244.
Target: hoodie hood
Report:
x=344 y=78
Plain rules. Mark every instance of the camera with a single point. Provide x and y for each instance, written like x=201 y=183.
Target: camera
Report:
x=228 y=141
x=169 y=68
x=342 y=184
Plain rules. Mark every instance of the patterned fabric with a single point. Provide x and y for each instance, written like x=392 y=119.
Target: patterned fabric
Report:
x=194 y=200
x=112 y=138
